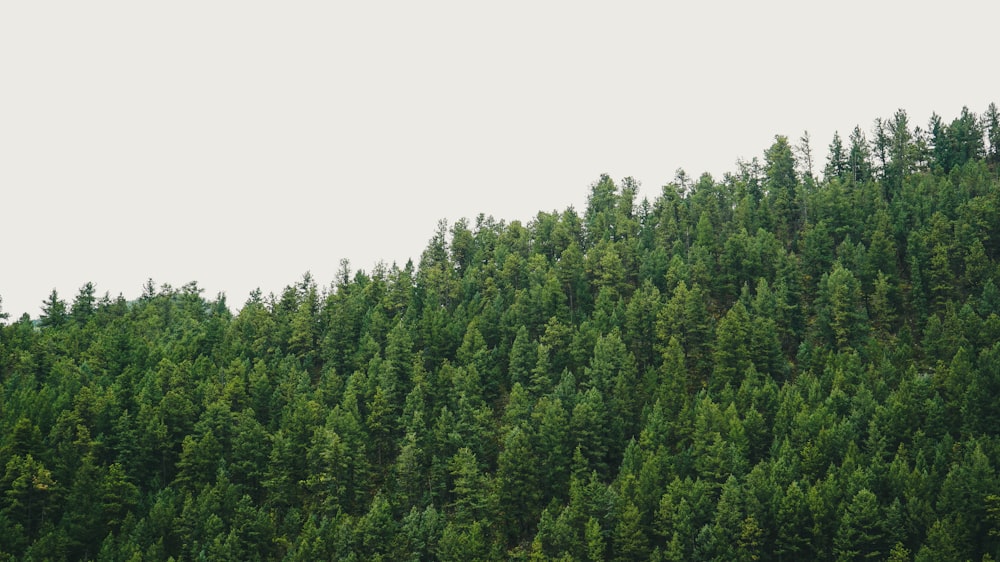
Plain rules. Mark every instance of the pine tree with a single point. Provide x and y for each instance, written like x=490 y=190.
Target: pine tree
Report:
x=991 y=124
x=861 y=534
x=836 y=160
x=53 y=311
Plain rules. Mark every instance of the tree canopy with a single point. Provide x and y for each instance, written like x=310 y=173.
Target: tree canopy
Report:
x=766 y=366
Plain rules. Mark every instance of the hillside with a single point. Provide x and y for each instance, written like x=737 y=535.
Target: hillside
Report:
x=785 y=363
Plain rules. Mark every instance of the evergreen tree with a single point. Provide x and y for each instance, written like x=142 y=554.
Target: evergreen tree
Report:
x=861 y=534
x=83 y=304
x=991 y=124
x=837 y=163
x=859 y=159
x=782 y=187
x=53 y=311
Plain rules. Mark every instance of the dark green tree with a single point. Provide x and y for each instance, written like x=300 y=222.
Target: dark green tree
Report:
x=861 y=535
x=53 y=311
x=837 y=163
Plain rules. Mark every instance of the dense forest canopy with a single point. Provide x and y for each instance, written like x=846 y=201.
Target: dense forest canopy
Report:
x=799 y=360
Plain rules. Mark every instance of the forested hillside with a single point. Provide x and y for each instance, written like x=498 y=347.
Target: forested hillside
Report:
x=797 y=361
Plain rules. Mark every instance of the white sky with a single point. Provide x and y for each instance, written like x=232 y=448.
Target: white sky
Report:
x=239 y=144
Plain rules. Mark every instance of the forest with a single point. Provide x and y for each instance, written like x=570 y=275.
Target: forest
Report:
x=797 y=361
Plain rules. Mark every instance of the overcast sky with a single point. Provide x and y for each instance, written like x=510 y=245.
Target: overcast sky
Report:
x=240 y=144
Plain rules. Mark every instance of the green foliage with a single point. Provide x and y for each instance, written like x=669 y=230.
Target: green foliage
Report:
x=765 y=367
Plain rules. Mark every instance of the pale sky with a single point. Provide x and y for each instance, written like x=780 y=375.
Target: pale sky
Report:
x=240 y=144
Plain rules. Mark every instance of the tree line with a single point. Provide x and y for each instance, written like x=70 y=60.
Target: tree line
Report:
x=774 y=365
